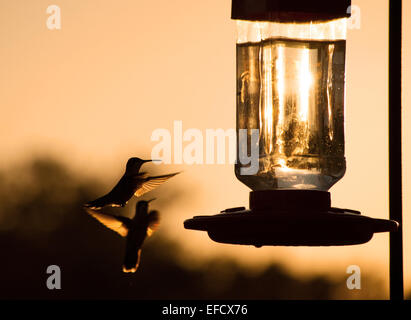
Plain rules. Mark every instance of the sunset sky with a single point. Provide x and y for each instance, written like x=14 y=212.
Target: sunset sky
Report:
x=92 y=93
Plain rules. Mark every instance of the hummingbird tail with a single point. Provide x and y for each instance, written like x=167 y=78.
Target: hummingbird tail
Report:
x=132 y=270
x=131 y=261
x=95 y=204
x=101 y=203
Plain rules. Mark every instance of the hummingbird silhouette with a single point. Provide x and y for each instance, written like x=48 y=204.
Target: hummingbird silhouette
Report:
x=133 y=182
x=135 y=230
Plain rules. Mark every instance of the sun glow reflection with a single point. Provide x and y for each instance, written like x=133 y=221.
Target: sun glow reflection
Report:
x=279 y=64
x=268 y=101
x=305 y=81
x=276 y=88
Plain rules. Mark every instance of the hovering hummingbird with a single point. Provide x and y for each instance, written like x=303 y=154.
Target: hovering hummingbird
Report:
x=133 y=182
x=135 y=230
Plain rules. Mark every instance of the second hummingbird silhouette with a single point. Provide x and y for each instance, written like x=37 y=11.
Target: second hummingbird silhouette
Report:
x=133 y=182
x=135 y=230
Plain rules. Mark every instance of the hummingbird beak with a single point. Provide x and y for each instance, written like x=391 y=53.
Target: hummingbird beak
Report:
x=148 y=201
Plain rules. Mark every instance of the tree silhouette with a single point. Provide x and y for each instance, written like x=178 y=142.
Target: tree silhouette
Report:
x=42 y=223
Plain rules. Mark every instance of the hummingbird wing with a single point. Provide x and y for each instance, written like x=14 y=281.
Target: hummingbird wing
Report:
x=116 y=223
x=153 y=222
x=151 y=183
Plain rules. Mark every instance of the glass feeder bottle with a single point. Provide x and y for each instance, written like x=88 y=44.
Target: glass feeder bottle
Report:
x=290 y=86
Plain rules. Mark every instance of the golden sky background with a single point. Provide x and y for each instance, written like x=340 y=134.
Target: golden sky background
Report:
x=93 y=92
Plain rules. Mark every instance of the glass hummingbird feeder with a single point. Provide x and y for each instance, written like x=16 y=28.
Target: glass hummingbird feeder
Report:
x=290 y=110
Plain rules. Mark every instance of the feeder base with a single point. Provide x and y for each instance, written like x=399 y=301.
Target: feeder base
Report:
x=264 y=225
